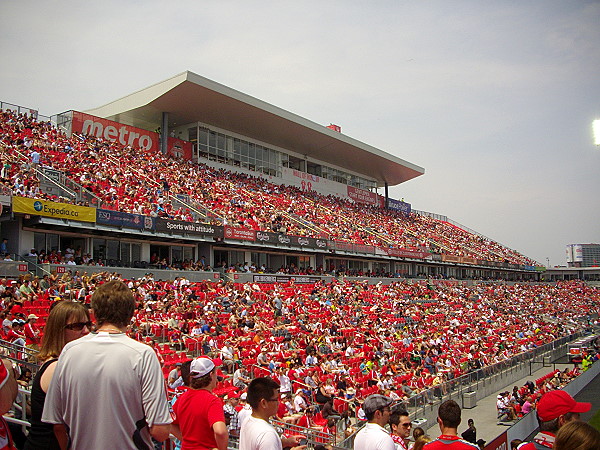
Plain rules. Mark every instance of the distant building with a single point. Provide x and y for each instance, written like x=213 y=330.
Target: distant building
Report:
x=583 y=255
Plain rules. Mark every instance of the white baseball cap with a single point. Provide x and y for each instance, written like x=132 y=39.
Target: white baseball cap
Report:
x=201 y=366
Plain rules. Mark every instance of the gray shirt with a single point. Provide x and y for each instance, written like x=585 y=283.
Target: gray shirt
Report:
x=106 y=387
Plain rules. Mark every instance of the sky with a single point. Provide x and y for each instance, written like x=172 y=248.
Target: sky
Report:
x=494 y=99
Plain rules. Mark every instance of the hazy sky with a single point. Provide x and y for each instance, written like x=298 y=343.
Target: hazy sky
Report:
x=494 y=99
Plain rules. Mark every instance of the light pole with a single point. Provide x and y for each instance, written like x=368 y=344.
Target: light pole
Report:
x=596 y=131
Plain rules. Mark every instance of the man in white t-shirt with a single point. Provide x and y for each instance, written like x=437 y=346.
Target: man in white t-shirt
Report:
x=257 y=433
x=300 y=403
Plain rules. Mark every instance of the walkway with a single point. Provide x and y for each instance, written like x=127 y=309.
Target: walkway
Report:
x=484 y=414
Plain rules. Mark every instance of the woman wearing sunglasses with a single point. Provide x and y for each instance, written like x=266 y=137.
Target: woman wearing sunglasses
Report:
x=67 y=321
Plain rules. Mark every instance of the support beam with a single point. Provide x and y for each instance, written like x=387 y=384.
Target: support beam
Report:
x=164 y=133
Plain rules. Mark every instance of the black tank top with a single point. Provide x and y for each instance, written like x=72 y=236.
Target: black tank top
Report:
x=41 y=435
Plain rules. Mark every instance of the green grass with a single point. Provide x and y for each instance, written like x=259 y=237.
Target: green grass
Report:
x=595 y=421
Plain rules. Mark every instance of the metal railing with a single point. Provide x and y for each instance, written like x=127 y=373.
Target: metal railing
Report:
x=19 y=354
x=5 y=106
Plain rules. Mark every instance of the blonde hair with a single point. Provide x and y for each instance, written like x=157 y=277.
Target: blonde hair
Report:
x=577 y=435
x=53 y=340
x=421 y=441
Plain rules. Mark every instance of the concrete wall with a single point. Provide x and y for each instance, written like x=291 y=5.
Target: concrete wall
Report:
x=137 y=273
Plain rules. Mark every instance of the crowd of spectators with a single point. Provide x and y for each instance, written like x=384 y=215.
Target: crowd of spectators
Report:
x=325 y=342
x=142 y=182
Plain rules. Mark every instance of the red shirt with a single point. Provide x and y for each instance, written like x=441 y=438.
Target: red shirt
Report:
x=447 y=442
x=31 y=334
x=197 y=410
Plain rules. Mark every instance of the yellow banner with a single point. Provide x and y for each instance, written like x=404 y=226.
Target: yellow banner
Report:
x=37 y=207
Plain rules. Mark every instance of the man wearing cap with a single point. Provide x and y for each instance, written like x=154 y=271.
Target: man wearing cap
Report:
x=300 y=403
x=373 y=436
x=555 y=409
x=231 y=414
x=200 y=419
x=32 y=333
x=448 y=420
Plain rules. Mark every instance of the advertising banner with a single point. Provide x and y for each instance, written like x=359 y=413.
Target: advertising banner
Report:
x=268 y=237
x=127 y=135
x=240 y=234
x=404 y=253
x=466 y=260
x=399 y=206
x=450 y=258
x=125 y=220
x=281 y=279
x=362 y=196
x=364 y=248
x=577 y=253
x=344 y=246
x=197 y=229
x=45 y=208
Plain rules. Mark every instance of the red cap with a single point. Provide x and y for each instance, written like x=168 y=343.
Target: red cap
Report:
x=556 y=403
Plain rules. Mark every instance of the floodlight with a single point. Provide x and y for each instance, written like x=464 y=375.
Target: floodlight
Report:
x=596 y=130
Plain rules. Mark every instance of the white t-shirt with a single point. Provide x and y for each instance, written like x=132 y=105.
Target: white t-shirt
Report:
x=299 y=403
x=373 y=437
x=258 y=434
x=244 y=414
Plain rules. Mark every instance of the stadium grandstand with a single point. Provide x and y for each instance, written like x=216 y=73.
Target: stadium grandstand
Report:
x=271 y=191
x=249 y=234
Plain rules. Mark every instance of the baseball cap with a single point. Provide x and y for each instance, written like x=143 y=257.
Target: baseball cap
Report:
x=201 y=366
x=554 y=404
x=374 y=402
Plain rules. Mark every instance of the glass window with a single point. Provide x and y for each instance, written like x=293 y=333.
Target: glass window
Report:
x=136 y=252
x=221 y=141
x=99 y=249
x=126 y=253
x=188 y=253
x=52 y=242
x=176 y=254
x=193 y=134
x=112 y=250
x=39 y=241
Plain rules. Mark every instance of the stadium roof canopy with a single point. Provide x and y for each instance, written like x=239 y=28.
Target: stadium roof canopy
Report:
x=190 y=98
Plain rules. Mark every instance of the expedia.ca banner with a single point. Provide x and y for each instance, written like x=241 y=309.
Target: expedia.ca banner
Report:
x=37 y=207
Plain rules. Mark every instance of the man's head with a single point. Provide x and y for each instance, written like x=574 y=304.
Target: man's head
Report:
x=557 y=408
x=263 y=396
x=400 y=424
x=203 y=373
x=185 y=372
x=233 y=399
x=377 y=409
x=113 y=303
x=449 y=414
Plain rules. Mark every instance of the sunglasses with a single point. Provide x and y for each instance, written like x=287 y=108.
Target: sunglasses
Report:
x=78 y=326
